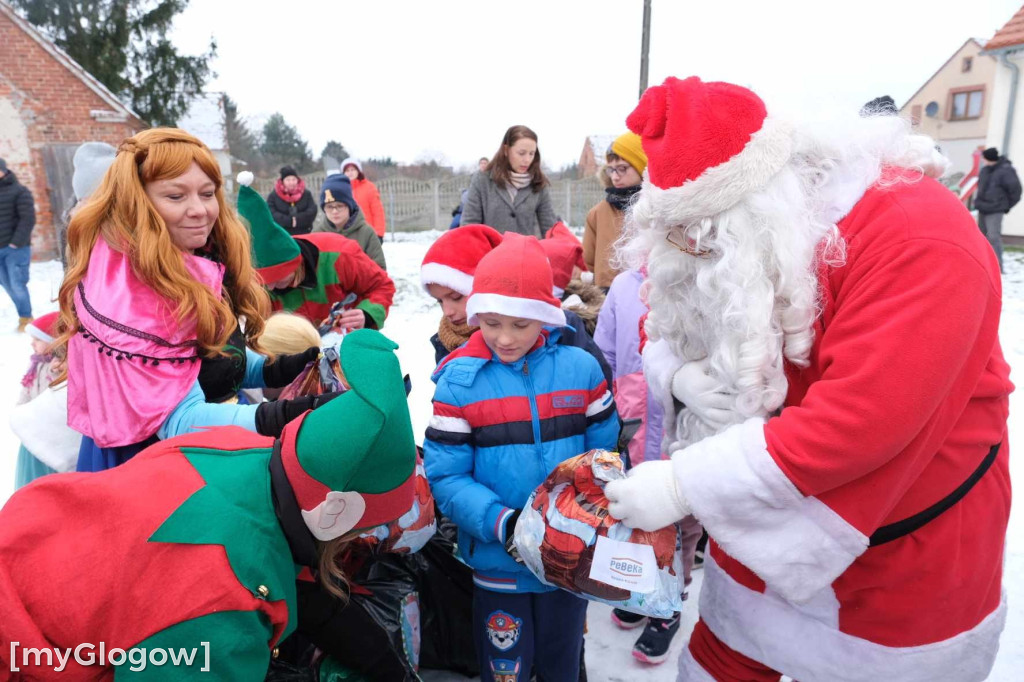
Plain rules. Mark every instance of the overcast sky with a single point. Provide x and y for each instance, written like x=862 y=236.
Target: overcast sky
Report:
x=415 y=80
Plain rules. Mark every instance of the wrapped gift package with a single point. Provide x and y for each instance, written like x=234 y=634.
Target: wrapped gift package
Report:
x=566 y=537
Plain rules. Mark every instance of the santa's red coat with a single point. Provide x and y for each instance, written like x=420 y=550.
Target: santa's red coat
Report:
x=906 y=392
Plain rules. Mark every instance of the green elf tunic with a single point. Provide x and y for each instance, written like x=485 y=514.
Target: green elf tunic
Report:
x=193 y=547
x=335 y=269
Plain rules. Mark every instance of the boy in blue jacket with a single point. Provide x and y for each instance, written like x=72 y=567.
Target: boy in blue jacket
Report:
x=510 y=405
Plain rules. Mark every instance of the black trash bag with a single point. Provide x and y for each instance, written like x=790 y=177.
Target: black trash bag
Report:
x=284 y=671
x=376 y=634
x=446 y=591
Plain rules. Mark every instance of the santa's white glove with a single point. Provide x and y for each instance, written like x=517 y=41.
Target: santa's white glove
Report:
x=707 y=397
x=647 y=498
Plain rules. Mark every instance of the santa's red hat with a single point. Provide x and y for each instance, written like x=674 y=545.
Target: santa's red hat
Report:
x=707 y=144
x=44 y=328
x=515 y=280
x=452 y=260
x=563 y=254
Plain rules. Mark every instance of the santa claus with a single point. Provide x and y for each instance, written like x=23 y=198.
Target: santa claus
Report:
x=824 y=327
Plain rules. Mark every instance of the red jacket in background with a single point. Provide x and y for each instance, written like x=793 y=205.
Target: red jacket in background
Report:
x=366 y=195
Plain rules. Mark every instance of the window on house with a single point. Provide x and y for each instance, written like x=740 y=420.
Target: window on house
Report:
x=966 y=64
x=967 y=105
x=915 y=115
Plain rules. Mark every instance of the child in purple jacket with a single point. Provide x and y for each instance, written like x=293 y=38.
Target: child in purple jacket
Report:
x=618 y=337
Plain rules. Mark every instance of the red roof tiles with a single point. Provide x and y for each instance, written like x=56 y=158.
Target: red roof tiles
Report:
x=1009 y=35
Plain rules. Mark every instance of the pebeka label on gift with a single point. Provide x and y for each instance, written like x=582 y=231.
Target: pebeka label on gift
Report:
x=625 y=564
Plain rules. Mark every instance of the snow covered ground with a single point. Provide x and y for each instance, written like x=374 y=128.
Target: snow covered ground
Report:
x=414 y=318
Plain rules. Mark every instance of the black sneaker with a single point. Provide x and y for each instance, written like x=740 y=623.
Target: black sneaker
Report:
x=627 y=620
x=654 y=643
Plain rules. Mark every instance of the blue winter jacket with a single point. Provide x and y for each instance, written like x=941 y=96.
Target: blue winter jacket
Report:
x=498 y=430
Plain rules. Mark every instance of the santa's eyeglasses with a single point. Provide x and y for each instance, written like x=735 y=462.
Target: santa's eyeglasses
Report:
x=687 y=245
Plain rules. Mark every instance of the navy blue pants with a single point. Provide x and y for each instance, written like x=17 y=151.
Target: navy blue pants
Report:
x=517 y=631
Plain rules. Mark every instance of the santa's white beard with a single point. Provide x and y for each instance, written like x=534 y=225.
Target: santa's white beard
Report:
x=751 y=304
x=746 y=306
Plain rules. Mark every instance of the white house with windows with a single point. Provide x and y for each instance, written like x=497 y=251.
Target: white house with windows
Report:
x=954 y=105
x=1006 y=124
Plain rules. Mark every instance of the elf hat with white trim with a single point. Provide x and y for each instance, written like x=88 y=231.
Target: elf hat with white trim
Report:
x=515 y=280
x=708 y=145
x=453 y=259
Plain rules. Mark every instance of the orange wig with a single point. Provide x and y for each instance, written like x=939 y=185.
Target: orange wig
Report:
x=120 y=212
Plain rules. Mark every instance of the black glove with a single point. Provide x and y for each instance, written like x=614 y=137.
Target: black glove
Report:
x=272 y=417
x=510 y=535
x=285 y=368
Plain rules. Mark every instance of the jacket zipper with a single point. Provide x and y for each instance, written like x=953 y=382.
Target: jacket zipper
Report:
x=534 y=412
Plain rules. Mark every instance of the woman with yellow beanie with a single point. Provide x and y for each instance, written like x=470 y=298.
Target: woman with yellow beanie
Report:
x=626 y=162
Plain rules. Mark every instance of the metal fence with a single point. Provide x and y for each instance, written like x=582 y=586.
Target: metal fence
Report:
x=412 y=204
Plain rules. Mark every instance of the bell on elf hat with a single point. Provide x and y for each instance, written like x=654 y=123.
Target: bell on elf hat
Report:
x=708 y=145
x=453 y=259
x=515 y=280
x=351 y=462
x=275 y=254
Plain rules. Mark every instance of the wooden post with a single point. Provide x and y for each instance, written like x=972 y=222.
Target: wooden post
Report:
x=645 y=46
x=568 y=203
x=435 y=186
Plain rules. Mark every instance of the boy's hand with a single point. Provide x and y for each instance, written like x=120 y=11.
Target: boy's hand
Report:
x=350 y=319
x=510 y=535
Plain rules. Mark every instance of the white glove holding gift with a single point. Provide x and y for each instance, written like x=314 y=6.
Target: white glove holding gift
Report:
x=648 y=497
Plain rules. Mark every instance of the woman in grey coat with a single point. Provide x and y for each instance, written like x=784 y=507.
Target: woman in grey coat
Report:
x=511 y=194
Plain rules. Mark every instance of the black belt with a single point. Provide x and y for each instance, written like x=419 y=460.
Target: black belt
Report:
x=909 y=525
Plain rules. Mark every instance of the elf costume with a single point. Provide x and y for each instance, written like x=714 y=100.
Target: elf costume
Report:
x=335 y=269
x=841 y=549
x=200 y=538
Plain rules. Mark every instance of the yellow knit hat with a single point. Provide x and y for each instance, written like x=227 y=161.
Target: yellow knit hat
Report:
x=629 y=148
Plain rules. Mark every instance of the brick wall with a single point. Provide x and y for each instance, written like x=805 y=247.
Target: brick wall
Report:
x=53 y=105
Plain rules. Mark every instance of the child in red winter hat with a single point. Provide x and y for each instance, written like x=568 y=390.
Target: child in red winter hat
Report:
x=510 y=406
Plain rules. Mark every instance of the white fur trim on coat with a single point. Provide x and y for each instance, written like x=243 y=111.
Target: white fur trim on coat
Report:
x=804 y=645
x=796 y=544
x=446 y=276
x=526 y=308
x=720 y=188
x=41 y=425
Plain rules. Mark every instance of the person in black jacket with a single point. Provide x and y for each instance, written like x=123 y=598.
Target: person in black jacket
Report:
x=17 y=218
x=998 y=191
x=291 y=204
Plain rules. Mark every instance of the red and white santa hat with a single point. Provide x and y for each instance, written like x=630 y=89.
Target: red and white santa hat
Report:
x=515 y=280
x=564 y=254
x=44 y=328
x=708 y=145
x=452 y=260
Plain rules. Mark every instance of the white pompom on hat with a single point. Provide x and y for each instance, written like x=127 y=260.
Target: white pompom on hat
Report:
x=515 y=280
